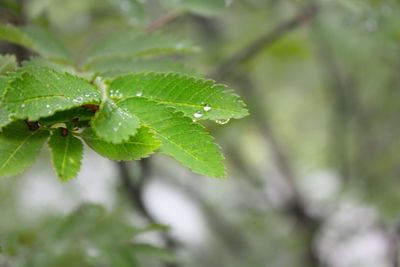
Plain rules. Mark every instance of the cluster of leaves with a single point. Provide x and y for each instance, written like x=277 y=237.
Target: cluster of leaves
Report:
x=80 y=239
x=123 y=100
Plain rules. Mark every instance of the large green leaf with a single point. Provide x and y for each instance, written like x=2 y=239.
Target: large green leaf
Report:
x=180 y=138
x=141 y=145
x=36 y=39
x=19 y=147
x=203 y=7
x=113 y=123
x=133 y=44
x=66 y=151
x=40 y=92
x=197 y=98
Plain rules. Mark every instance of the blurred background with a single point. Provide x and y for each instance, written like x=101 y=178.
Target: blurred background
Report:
x=313 y=171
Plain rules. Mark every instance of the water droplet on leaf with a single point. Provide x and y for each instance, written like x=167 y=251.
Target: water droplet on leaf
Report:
x=139 y=94
x=207 y=107
x=222 y=121
x=198 y=115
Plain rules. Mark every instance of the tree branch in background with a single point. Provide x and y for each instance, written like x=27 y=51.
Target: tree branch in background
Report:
x=135 y=191
x=296 y=208
x=254 y=48
x=162 y=21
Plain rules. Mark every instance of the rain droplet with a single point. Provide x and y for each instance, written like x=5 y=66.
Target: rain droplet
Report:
x=47 y=106
x=23 y=106
x=119 y=123
x=222 y=121
x=139 y=94
x=197 y=115
x=207 y=107
x=115 y=129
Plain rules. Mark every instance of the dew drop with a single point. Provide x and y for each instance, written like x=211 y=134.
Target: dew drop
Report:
x=119 y=123
x=23 y=106
x=47 y=106
x=207 y=107
x=222 y=121
x=115 y=129
x=139 y=94
x=197 y=115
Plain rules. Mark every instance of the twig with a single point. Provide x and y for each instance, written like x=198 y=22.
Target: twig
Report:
x=296 y=208
x=162 y=21
x=134 y=191
x=254 y=48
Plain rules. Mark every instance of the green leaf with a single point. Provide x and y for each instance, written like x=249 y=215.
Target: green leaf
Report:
x=133 y=45
x=184 y=93
x=118 y=67
x=15 y=35
x=138 y=146
x=4 y=113
x=7 y=63
x=46 y=44
x=40 y=92
x=180 y=138
x=66 y=151
x=36 y=39
x=202 y=7
x=19 y=147
x=113 y=123
x=75 y=115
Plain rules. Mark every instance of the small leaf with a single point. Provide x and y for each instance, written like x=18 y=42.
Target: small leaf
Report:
x=180 y=138
x=67 y=152
x=196 y=97
x=141 y=145
x=113 y=123
x=7 y=63
x=40 y=92
x=134 y=45
x=19 y=147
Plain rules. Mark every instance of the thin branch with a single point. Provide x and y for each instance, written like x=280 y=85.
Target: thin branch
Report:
x=254 y=48
x=134 y=191
x=162 y=21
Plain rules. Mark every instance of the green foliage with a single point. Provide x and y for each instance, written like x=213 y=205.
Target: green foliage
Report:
x=19 y=147
x=123 y=117
x=67 y=152
x=39 y=92
x=184 y=93
x=4 y=113
x=114 y=123
x=180 y=138
x=36 y=39
x=80 y=238
x=141 y=145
